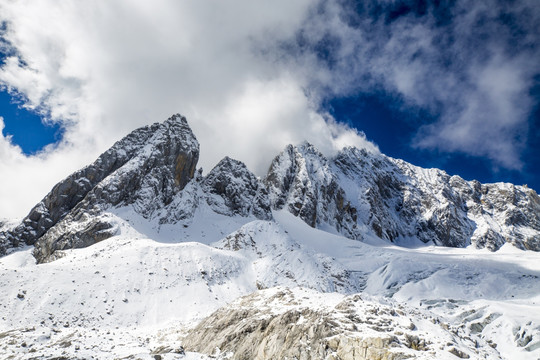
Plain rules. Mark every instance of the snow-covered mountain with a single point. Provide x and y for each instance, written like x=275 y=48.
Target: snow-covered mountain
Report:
x=357 y=193
x=360 y=193
x=359 y=256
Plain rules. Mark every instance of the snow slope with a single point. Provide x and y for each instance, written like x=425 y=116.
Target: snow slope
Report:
x=140 y=255
x=130 y=295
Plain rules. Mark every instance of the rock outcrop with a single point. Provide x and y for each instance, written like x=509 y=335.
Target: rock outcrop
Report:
x=402 y=201
x=145 y=169
x=234 y=190
x=299 y=324
x=68 y=193
x=300 y=180
x=153 y=172
x=361 y=193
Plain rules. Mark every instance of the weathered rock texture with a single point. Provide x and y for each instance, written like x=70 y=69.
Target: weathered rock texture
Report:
x=360 y=193
x=300 y=180
x=68 y=193
x=236 y=190
x=152 y=171
x=250 y=332
x=298 y=324
x=145 y=169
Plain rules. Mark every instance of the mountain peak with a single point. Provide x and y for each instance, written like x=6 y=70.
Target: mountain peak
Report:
x=236 y=191
x=154 y=161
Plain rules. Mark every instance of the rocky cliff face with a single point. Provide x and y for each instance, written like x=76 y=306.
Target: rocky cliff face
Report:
x=234 y=190
x=145 y=170
x=356 y=193
x=400 y=201
x=405 y=201
x=153 y=172
x=69 y=192
x=300 y=179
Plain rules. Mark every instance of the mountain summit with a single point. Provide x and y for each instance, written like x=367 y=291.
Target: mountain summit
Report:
x=357 y=194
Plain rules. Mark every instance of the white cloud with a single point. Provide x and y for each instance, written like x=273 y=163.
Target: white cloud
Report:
x=25 y=180
x=492 y=121
x=471 y=67
x=104 y=68
x=250 y=78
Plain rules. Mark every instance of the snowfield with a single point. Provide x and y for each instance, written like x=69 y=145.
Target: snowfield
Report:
x=141 y=256
x=143 y=292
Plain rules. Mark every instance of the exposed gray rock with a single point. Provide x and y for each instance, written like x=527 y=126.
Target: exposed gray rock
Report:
x=234 y=190
x=74 y=231
x=283 y=323
x=249 y=332
x=400 y=201
x=145 y=169
x=460 y=354
x=150 y=171
x=229 y=189
x=69 y=192
x=300 y=179
x=360 y=192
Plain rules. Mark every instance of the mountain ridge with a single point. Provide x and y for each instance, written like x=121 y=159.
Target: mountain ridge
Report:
x=149 y=258
x=355 y=193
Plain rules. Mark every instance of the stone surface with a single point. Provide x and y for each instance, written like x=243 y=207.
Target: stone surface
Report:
x=145 y=170
x=297 y=333
x=284 y=323
x=236 y=191
x=300 y=180
x=151 y=171
x=361 y=193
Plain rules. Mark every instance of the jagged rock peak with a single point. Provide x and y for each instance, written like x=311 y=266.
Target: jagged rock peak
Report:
x=234 y=190
x=362 y=193
x=187 y=155
x=401 y=201
x=357 y=193
x=301 y=180
x=145 y=168
x=292 y=169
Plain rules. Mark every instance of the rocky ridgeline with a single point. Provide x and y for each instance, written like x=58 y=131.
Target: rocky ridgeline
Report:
x=358 y=193
x=149 y=170
x=400 y=200
x=236 y=191
x=300 y=179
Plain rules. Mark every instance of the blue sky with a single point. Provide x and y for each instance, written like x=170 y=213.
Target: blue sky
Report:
x=27 y=128
x=447 y=84
x=393 y=130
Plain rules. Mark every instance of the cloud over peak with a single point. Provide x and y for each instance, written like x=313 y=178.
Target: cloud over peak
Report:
x=104 y=68
x=252 y=76
x=470 y=65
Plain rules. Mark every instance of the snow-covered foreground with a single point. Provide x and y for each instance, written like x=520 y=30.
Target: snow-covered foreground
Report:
x=133 y=297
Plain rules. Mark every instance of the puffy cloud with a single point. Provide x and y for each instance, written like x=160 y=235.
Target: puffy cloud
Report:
x=103 y=68
x=251 y=76
x=470 y=65
x=25 y=180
